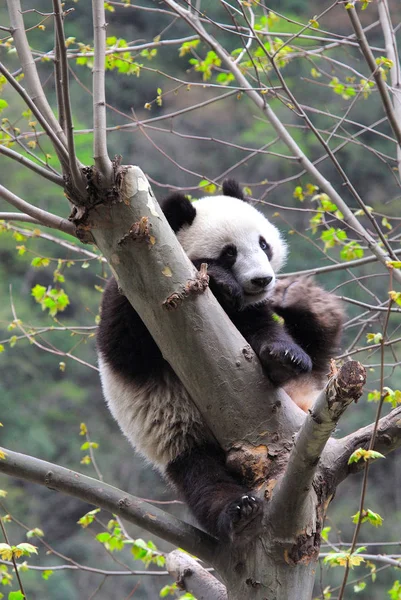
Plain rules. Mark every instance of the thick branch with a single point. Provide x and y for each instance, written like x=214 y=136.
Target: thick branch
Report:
x=105 y=496
x=288 y=500
x=284 y=135
x=101 y=157
x=44 y=217
x=388 y=438
x=31 y=165
x=192 y=577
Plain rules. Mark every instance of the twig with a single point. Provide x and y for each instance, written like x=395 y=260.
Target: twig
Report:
x=13 y=560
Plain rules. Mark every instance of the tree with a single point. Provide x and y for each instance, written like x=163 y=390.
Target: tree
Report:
x=295 y=463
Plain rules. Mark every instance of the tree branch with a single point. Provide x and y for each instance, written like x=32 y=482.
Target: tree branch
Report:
x=58 y=145
x=101 y=157
x=65 y=98
x=388 y=438
x=284 y=135
x=192 y=577
x=107 y=497
x=10 y=153
x=291 y=493
x=34 y=86
x=375 y=70
x=395 y=70
x=42 y=216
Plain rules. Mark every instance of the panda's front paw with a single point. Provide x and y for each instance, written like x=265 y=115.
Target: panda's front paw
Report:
x=282 y=361
x=240 y=520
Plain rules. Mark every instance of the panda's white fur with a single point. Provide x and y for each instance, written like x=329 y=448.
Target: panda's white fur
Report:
x=149 y=413
x=150 y=404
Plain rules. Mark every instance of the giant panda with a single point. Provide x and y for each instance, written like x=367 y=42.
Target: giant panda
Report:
x=244 y=253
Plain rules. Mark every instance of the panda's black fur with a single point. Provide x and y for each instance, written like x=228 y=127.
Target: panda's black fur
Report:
x=151 y=405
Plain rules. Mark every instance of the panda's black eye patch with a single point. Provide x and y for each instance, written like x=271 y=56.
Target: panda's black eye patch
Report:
x=229 y=254
x=265 y=247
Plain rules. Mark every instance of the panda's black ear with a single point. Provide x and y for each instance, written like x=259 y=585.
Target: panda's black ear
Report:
x=232 y=188
x=178 y=210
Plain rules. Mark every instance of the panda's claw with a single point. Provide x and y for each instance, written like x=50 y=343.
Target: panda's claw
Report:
x=240 y=520
x=282 y=362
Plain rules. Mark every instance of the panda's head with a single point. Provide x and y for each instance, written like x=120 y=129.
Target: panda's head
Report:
x=228 y=230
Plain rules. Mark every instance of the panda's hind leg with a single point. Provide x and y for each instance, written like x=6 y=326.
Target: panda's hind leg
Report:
x=219 y=502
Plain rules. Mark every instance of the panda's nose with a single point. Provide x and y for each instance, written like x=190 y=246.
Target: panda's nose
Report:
x=261 y=282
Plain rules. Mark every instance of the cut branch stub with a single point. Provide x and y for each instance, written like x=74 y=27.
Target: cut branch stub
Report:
x=347 y=386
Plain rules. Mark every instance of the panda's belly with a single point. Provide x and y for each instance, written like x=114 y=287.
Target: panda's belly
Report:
x=158 y=416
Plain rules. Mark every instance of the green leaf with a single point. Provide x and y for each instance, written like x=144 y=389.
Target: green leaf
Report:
x=88 y=518
x=368 y=516
x=16 y=595
x=46 y=574
x=103 y=537
x=27 y=549
x=374 y=338
x=364 y=454
x=40 y=262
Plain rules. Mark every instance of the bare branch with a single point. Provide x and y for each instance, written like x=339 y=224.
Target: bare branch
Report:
x=10 y=153
x=339 y=266
x=58 y=145
x=284 y=135
x=34 y=86
x=79 y=567
x=105 y=496
x=101 y=157
x=290 y=495
x=65 y=98
x=395 y=70
x=42 y=216
x=58 y=78
x=10 y=216
x=192 y=577
x=375 y=70
x=388 y=438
